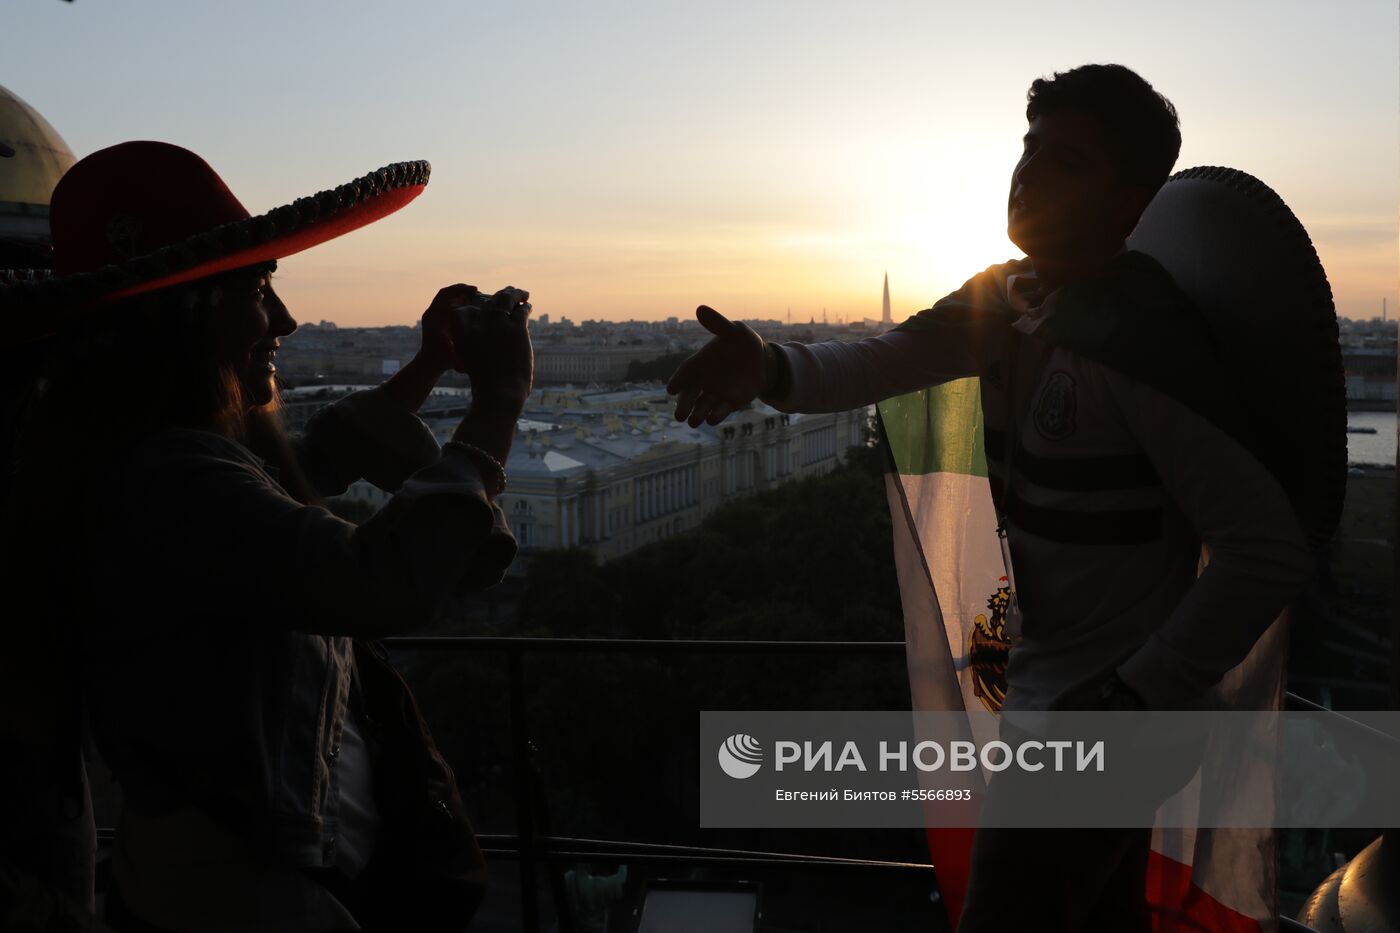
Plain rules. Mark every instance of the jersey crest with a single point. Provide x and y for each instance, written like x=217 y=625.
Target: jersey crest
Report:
x=1055 y=411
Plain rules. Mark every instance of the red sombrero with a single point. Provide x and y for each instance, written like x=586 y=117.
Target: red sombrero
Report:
x=142 y=216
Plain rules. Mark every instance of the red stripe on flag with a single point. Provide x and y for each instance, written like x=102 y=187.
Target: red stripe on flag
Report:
x=951 y=850
x=1178 y=906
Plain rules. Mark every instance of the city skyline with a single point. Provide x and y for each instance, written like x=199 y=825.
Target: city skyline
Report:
x=624 y=162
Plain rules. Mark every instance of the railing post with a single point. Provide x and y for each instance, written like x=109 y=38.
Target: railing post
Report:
x=524 y=815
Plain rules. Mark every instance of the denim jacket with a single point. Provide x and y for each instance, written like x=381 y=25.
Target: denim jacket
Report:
x=217 y=652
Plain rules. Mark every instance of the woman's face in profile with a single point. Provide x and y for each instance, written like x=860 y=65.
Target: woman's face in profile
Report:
x=256 y=321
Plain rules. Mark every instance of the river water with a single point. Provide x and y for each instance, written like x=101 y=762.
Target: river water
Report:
x=1371 y=448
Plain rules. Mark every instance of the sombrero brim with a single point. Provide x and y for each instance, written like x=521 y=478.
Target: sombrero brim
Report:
x=38 y=309
x=1237 y=250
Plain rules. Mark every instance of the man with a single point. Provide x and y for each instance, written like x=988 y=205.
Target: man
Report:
x=1114 y=450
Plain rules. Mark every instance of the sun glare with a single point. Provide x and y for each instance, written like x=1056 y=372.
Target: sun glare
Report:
x=946 y=211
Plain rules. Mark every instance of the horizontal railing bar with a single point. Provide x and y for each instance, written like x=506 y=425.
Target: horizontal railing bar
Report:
x=1302 y=703
x=1314 y=680
x=693 y=645
x=561 y=856
x=615 y=847
x=1289 y=925
x=700 y=645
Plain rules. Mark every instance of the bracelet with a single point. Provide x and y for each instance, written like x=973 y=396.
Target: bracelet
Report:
x=497 y=478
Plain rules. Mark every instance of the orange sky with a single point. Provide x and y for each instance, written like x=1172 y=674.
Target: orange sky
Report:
x=622 y=160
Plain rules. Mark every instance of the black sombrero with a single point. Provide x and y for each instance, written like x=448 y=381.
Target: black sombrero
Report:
x=1236 y=249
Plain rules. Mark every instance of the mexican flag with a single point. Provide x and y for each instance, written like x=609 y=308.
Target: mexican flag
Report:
x=948 y=562
x=954 y=591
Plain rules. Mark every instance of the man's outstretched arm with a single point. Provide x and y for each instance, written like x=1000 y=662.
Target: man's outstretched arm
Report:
x=737 y=366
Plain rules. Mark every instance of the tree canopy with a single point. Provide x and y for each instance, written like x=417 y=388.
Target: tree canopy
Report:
x=810 y=559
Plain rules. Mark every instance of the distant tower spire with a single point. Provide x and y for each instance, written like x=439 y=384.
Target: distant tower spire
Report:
x=885 y=306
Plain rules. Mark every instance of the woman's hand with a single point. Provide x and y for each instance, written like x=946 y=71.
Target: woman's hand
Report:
x=442 y=335
x=442 y=327
x=493 y=349
x=483 y=336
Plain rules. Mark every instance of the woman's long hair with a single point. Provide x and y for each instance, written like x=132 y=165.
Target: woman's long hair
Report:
x=149 y=363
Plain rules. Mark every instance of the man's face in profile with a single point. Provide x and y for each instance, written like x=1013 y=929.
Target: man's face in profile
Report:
x=1065 y=202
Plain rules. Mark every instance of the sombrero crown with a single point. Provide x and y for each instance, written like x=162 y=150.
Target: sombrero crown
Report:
x=142 y=216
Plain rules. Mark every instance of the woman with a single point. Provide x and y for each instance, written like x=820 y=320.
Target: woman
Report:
x=271 y=766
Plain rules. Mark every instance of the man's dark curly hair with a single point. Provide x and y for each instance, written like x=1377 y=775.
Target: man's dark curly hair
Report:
x=1142 y=124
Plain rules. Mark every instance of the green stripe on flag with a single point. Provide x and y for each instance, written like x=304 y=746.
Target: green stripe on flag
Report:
x=937 y=430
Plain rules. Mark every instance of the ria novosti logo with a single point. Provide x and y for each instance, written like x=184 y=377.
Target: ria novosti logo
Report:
x=740 y=756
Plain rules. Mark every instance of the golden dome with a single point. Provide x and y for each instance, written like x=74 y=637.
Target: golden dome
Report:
x=40 y=155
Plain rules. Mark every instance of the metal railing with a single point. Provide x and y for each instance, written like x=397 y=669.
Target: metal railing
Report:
x=531 y=847
x=532 y=844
